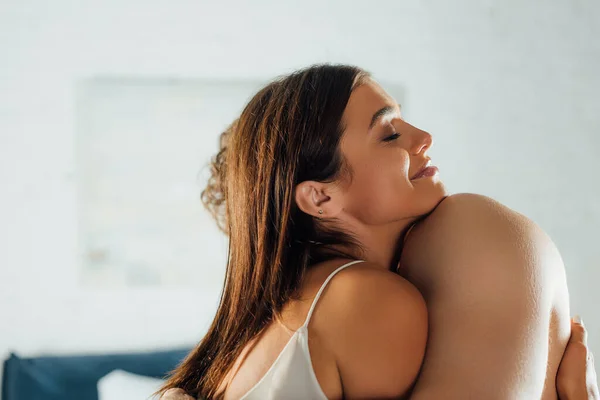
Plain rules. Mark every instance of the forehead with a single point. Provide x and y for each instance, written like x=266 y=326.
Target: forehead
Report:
x=364 y=101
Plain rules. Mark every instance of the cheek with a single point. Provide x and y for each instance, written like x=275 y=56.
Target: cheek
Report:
x=389 y=178
x=380 y=191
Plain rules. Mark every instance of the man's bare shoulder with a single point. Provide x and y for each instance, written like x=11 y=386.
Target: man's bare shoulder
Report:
x=469 y=210
x=470 y=217
x=472 y=230
x=479 y=262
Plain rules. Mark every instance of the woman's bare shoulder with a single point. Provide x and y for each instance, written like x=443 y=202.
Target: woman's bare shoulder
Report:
x=375 y=322
x=364 y=284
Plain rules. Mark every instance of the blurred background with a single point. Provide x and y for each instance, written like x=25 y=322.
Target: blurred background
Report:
x=110 y=112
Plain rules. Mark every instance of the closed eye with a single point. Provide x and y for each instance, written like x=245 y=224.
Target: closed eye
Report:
x=392 y=137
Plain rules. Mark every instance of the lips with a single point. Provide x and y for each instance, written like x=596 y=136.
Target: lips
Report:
x=422 y=169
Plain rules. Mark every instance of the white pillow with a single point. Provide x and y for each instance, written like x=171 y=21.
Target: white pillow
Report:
x=123 y=385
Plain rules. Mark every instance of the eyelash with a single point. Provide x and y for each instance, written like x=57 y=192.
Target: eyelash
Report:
x=392 y=137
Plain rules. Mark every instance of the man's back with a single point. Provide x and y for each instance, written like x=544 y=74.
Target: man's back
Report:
x=497 y=298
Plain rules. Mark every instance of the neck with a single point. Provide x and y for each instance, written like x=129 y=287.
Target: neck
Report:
x=382 y=244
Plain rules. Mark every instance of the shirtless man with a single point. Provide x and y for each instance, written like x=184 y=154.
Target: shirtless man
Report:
x=497 y=298
x=492 y=286
x=498 y=306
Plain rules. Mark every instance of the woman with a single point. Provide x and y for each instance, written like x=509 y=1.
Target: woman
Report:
x=317 y=185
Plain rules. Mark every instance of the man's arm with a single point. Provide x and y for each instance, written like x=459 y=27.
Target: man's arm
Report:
x=488 y=275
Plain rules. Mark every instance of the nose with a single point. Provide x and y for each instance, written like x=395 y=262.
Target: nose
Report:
x=422 y=141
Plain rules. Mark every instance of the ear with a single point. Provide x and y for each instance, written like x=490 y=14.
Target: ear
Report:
x=312 y=196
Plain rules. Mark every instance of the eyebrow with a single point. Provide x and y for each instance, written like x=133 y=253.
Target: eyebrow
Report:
x=382 y=112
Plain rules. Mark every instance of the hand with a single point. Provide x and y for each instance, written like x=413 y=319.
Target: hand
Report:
x=176 y=394
x=576 y=377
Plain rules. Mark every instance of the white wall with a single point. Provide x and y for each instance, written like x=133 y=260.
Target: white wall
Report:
x=508 y=88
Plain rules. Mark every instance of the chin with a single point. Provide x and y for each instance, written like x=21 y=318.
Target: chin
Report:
x=433 y=197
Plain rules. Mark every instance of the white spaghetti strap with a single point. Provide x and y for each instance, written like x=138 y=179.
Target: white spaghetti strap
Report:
x=314 y=303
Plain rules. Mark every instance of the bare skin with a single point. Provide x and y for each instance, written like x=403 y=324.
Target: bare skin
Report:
x=576 y=378
x=496 y=296
x=446 y=374
x=356 y=332
x=377 y=205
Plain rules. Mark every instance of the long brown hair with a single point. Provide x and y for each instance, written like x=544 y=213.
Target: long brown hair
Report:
x=289 y=132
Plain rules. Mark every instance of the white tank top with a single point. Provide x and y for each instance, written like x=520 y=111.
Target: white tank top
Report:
x=292 y=376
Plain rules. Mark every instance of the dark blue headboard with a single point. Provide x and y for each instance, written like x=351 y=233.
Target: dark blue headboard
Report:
x=76 y=377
